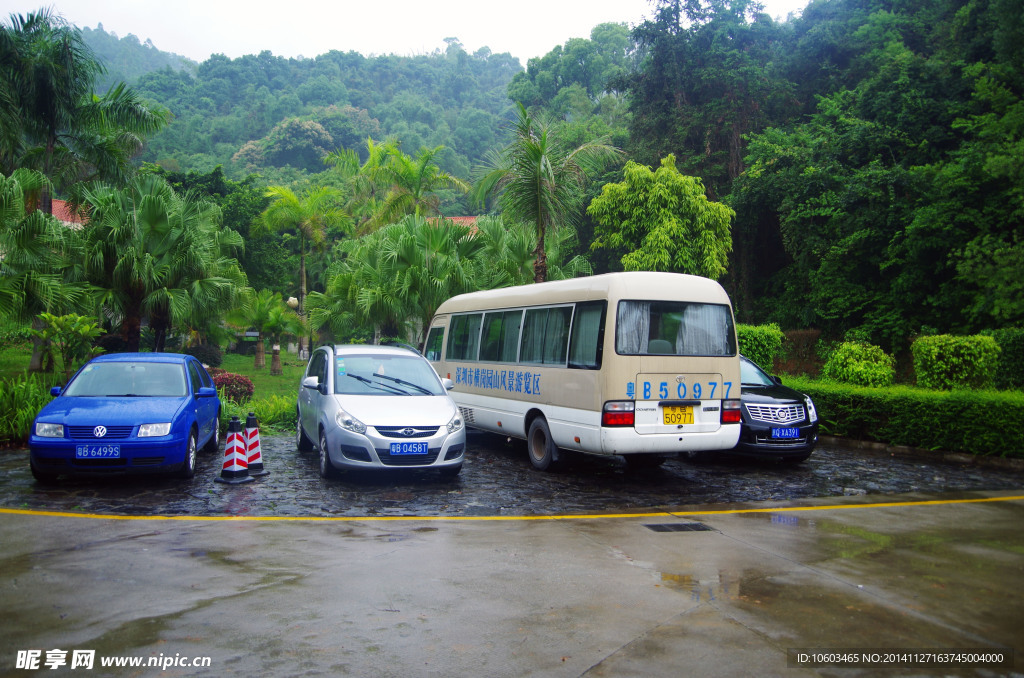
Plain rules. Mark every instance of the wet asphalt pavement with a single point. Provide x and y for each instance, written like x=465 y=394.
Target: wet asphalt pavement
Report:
x=497 y=479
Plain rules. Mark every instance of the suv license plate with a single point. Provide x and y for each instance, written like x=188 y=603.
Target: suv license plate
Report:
x=97 y=451
x=785 y=433
x=408 y=448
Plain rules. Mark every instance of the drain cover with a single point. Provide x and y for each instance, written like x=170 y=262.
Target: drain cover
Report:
x=678 y=527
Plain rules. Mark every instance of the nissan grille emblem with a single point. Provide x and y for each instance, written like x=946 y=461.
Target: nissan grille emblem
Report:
x=408 y=432
x=99 y=431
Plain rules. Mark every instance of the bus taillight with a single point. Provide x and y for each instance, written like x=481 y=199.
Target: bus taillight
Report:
x=731 y=412
x=618 y=413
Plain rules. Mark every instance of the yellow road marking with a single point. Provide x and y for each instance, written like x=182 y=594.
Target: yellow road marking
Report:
x=597 y=516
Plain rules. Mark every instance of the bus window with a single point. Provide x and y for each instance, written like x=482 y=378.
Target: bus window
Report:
x=432 y=349
x=587 y=335
x=546 y=335
x=464 y=337
x=674 y=328
x=501 y=336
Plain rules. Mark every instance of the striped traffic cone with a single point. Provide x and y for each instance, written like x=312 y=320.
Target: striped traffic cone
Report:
x=252 y=446
x=236 y=461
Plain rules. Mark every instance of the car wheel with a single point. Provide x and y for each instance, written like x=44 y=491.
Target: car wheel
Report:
x=540 y=446
x=188 y=467
x=302 y=441
x=451 y=471
x=327 y=469
x=213 y=444
x=42 y=476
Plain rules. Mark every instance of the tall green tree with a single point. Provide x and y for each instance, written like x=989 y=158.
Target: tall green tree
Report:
x=266 y=313
x=663 y=221
x=40 y=265
x=539 y=180
x=412 y=183
x=56 y=124
x=309 y=215
x=155 y=254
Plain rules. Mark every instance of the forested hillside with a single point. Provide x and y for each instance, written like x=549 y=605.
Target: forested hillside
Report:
x=871 y=149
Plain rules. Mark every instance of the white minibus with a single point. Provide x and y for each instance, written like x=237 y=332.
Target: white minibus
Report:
x=637 y=364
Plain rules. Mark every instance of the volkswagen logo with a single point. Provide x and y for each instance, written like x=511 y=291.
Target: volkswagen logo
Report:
x=99 y=431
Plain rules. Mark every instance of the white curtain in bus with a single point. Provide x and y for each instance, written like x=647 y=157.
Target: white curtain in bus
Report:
x=585 y=329
x=633 y=327
x=704 y=330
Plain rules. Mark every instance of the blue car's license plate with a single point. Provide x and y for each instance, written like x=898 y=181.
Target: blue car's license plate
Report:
x=97 y=451
x=785 y=433
x=408 y=448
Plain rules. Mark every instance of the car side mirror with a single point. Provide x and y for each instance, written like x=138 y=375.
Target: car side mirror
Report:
x=56 y=391
x=311 y=382
x=777 y=380
x=207 y=392
x=447 y=383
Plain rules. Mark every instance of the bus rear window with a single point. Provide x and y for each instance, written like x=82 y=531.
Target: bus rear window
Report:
x=674 y=328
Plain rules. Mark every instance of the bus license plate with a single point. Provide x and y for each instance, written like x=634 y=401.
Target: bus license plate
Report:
x=675 y=415
x=408 y=448
x=97 y=451
x=785 y=433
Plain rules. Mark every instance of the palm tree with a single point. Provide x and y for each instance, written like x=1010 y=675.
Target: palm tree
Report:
x=254 y=311
x=361 y=190
x=281 y=322
x=540 y=180
x=40 y=263
x=310 y=215
x=403 y=271
x=153 y=252
x=412 y=183
x=56 y=124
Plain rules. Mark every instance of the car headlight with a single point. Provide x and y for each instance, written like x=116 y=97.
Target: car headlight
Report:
x=812 y=414
x=349 y=423
x=44 y=430
x=153 y=430
x=456 y=423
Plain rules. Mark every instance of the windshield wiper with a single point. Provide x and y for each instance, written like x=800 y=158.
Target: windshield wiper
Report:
x=378 y=385
x=405 y=383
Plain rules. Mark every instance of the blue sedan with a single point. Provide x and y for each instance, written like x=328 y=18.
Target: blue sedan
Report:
x=127 y=413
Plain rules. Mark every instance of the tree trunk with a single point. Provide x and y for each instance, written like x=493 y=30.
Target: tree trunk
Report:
x=303 y=351
x=275 y=361
x=35 y=363
x=261 y=355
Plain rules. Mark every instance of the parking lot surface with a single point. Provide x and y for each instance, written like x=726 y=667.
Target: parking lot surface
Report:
x=714 y=570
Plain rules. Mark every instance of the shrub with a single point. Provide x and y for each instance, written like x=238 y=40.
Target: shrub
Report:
x=861 y=364
x=799 y=352
x=1010 y=372
x=234 y=387
x=760 y=343
x=20 y=401
x=208 y=354
x=274 y=413
x=947 y=362
x=986 y=422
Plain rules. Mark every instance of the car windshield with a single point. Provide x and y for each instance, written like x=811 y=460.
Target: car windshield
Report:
x=366 y=374
x=141 y=379
x=752 y=375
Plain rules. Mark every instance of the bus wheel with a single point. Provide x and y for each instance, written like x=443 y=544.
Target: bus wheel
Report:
x=539 y=445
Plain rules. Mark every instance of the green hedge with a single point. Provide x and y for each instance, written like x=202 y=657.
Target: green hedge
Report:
x=761 y=343
x=987 y=423
x=945 y=361
x=1010 y=373
x=858 y=363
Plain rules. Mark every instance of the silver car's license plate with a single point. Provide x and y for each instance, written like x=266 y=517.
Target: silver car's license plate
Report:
x=97 y=451
x=408 y=448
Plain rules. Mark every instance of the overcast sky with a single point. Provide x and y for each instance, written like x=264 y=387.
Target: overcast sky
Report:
x=290 y=28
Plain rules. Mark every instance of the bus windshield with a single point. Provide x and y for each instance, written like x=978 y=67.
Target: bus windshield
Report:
x=674 y=328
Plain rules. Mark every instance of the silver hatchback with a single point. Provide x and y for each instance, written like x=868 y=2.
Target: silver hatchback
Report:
x=378 y=407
